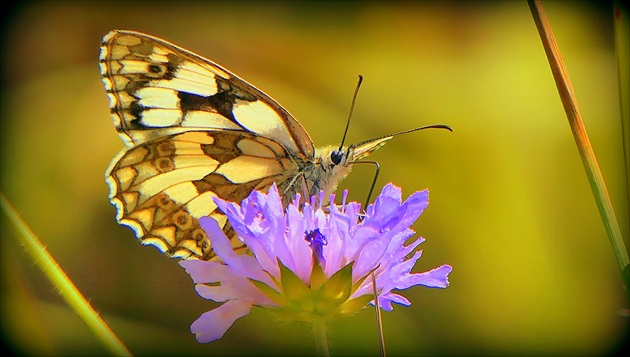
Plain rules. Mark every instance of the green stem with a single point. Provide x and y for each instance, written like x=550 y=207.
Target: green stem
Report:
x=62 y=283
x=319 y=334
x=595 y=177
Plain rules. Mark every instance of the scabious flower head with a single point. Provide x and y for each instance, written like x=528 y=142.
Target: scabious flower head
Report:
x=310 y=262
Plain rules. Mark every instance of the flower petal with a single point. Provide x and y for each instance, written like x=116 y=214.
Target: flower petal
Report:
x=221 y=244
x=385 y=301
x=253 y=224
x=204 y=272
x=213 y=324
x=435 y=278
x=241 y=265
x=302 y=256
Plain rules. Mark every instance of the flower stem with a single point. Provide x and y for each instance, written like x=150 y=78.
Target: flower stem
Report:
x=379 y=319
x=60 y=280
x=319 y=334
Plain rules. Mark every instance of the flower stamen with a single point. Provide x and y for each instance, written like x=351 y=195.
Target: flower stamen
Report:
x=316 y=240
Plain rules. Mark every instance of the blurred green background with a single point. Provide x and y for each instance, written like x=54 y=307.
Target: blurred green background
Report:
x=511 y=209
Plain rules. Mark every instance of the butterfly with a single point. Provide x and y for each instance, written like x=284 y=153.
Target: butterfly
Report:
x=193 y=131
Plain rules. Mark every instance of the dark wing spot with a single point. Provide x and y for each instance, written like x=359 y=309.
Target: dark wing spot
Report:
x=164 y=164
x=136 y=110
x=164 y=202
x=154 y=68
x=136 y=84
x=224 y=188
x=165 y=148
x=171 y=69
x=224 y=147
x=222 y=102
x=182 y=220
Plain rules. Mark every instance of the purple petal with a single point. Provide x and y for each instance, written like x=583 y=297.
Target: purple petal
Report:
x=384 y=304
x=336 y=230
x=213 y=324
x=384 y=210
x=302 y=257
x=221 y=244
x=412 y=208
x=204 y=272
x=385 y=301
x=275 y=244
x=369 y=258
x=231 y=285
x=435 y=278
x=217 y=293
x=245 y=221
x=242 y=265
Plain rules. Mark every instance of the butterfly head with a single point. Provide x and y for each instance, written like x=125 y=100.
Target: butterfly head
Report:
x=333 y=164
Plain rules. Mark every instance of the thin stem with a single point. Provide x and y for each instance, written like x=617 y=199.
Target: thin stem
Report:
x=621 y=22
x=319 y=334
x=62 y=283
x=379 y=318
x=595 y=177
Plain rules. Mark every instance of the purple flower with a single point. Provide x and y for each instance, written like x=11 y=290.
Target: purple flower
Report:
x=310 y=262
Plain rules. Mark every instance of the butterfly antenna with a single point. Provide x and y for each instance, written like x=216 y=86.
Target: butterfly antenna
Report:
x=354 y=99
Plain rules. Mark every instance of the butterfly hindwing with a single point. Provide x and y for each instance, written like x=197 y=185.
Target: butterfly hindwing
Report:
x=162 y=187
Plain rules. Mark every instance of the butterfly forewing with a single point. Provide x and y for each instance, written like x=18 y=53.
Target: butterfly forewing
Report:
x=157 y=88
x=195 y=131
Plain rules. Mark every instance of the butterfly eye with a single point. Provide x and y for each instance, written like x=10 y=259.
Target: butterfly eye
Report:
x=336 y=156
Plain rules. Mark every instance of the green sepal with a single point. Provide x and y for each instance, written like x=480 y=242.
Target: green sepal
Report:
x=292 y=286
x=354 y=305
x=317 y=276
x=270 y=292
x=335 y=291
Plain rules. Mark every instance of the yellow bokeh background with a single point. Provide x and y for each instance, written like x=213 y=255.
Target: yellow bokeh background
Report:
x=511 y=209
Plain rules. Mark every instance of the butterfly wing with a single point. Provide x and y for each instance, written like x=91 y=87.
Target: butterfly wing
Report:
x=162 y=187
x=193 y=130
x=157 y=88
